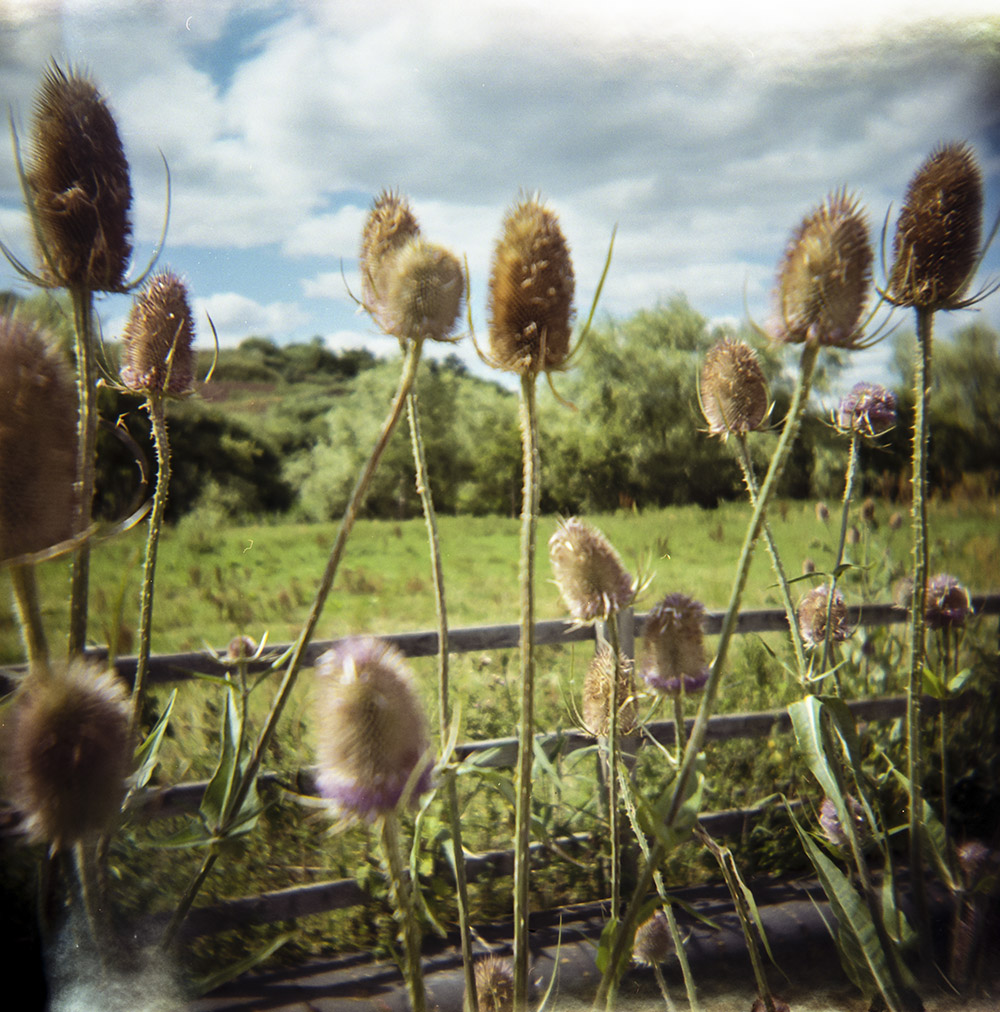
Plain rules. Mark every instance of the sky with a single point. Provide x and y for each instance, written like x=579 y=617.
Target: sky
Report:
x=704 y=131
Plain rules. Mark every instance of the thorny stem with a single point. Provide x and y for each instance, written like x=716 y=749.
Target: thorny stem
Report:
x=29 y=613
x=526 y=725
x=667 y=1000
x=626 y=930
x=410 y=364
x=613 y=747
x=444 y=702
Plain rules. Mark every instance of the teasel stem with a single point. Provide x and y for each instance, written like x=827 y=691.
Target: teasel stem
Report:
x=750 y=478
x=29 y=613
x=662 y=984
x=526 y=725
x=626 y=928
x=444 y=700
x=83 y=868
x=86 y=380
x=406 y=913
x=946 y=667
x=614 y=826
x=161 y=440
x=410 y=363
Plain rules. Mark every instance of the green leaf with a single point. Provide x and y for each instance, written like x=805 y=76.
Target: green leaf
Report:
x=215 y=802
x=209 y=983
x=957 y=683
x=933 y=686
x=146 y=754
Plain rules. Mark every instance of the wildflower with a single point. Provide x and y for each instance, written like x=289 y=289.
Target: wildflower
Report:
x=597 y=694
x=494 y=984
x=158 y=340
x=812 y=617
x=389 y=225
x=824 y=278
x=653 y=943
x=38 y=414
x=373 y=741
x=79 y=187
x=732 y=390
x=590 y=574
x=869 y=410
x=423 y=291
x=832 y=827
x=947 y=604
x=675 y=660
x=530 y=292
x=69 y=752
x=936 y=245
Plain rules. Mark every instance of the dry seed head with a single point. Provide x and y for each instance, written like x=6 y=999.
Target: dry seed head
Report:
x=589 y=573
x=733 y=389
x=494 y=977
x=38 y=412
x=389 y=225
x=812 y=617
x=895 y=521
x=424 y=291
x=69 y=752
x=936 y=245
x=825 y=276
x=822 y=512
x=78 y=181
x=159 y=338
x=372 y=730
x=947 y=605
x=597 y=694
x=868 y=513
x=869 y=409
x=653 y=943
x=808 y=566
x=531 y=289
x=674 y=659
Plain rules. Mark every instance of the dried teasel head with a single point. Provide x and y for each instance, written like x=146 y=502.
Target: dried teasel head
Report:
x=589 y=572
x=674 y=660
x=822 y=512
x=597 y=694
x=424 y=288
x=69 y=753
x=38 y=416
x=825 y=277
x=732 y=389
x=79 y=187
x=868 y=409
x=653 y=942
x=812 y=617
x=158 y=339
x=936 y=245
x=494 y=977
x=373 y=745
x=947 y=604
x=389 y=225
x=531 y=290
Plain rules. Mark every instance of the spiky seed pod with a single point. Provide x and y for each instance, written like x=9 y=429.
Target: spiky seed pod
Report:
x=38 y=413
x=868 y=513
x=78 y=181
x=531 y=289
x=938 y=231
x=822 y=512
x=373 y=742
x=494 y=977
x=895 y=521
x=869 y=409
x=589 y=573
x=653 y=943
x=825 y=276
x=159 y=339
x=733 y=389
x=947 y=604
x=831 y=825
x=674 y=658
x=812 y=617
x=597 y=694
x=69 y=752
x=424 y=291
x=240 y=648
x=390 y=224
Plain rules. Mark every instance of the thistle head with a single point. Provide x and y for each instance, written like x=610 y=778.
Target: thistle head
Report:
x=869 y=410
x=373 y=743
x=825 y=276
x=938 y=231
x=424 y=290
x=78 y=183
x=589 y=573
x=674 y=659
x=653 y=942
x=732 y=389
x=158 y=340
x=597 y=694
x=69 y=752
x=812 y=617
x=531 y=287
x=38 y=415
x=494 y=976
x=834 y=830
x=947 y=604
x=390 y=224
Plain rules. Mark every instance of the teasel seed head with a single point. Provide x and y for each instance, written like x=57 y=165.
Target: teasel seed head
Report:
x=869 y=409
x=589 y=572
x=947 y=605
x=674 y=658
x=373 y=742
x=424 y=290
x=241 y=648
x=390 y=224
x=494 y=976
x=597 y=694
x=653 y=943
x=825 y=276
x=69 y=752
x=812 y=617
x=808 y=566
x=895 y=521
x=853 y=535
x=38 y=416
x=974 y=860
x=78 y=182
x=832 y=827
x=868 y=513
x=158 y=339
x=531 y=288
x=822 y=512
x=936 y=245
x=732 y=389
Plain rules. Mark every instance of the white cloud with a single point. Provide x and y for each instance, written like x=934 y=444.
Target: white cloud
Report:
x=236 y=316
x=333 y=285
